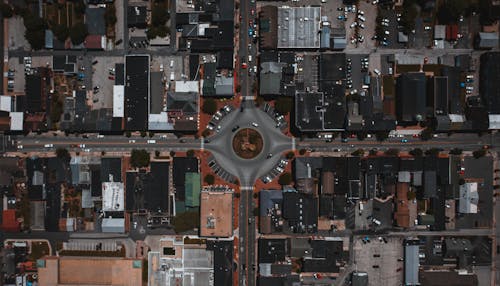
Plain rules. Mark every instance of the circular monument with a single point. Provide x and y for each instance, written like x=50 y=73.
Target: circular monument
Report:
x=248 y=143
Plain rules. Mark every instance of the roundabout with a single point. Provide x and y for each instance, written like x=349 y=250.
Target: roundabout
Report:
x=248 y=143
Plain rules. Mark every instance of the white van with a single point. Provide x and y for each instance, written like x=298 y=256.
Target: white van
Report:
x=151 y=141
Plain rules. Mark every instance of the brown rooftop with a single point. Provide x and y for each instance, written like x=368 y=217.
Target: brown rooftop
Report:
x=216 y=214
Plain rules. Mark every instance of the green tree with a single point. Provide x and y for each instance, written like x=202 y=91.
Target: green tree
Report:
x=159 y=15
x=205 y=133
x=209 y=179
x=361 y=135
x=128 y=134
x=35 y=31
x=417 y=152
x=6 y=10
x=382 y=135
x=143 y=134
x=79 y=7
x=61 y=32
x=190 y=153
x=209 y=106
x=392 y=152
x=302 y=152
x=433 y=152
x=373 y=152
x=78 y=33
x=290 y=155
x=63 y=154
x=426 y=134
x=157 y=153
x=456 y=151
x=151 y=134
x=110 y=15
x=285 y=179
x=479 y=153
x=139 y=158
x=358 y=153
x=284 y=105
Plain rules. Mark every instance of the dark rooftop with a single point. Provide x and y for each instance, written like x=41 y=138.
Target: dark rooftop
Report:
x=136 y=92
x=272 y=250
x=411 y=97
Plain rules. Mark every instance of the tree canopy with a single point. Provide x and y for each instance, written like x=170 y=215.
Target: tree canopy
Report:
x=284 y=105
x=209 y=106
x=139 y=158
x=78 y=33
x=285 y=179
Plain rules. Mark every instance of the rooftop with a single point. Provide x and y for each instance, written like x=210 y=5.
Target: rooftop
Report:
x=298 y=27
x=216 y=219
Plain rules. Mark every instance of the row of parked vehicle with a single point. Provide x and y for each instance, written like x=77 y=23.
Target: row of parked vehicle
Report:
x=213 y=124
x=277 y=169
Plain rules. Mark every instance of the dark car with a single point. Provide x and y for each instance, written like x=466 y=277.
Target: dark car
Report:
x=235 y=128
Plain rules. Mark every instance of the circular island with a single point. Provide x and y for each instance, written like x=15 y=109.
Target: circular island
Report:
x=248 y=143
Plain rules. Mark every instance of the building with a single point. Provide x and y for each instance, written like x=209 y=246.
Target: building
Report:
x=299 y=27
x=69 y=270
x=270 y=208
x=113 y=197
x=136 y=17
x=136 y=92
x=411 y=97
x=94 y=19
x=268 y=28
x=321 y=111
x=216 y=208
x=411 y=263
x=469 y=198
x=187 y=261
x=486 y=41
x=489 y=85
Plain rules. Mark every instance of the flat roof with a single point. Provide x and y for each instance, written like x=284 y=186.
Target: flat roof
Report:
x=136 y=91
x=411 y=264
x=298 y=27
x=118 y=100
x=156 y=101
x=216 y=219
x=113 y=196
x=90 y=271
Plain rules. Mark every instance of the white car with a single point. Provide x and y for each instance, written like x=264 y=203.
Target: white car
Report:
x=254 y=124
x=82 y=145
x=20 y=147
x=48 y=145
x=131 y=141
x=354 y=24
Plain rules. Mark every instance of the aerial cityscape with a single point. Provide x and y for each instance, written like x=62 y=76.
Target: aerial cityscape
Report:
x=250 y=143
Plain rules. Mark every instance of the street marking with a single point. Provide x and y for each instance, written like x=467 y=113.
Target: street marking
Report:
x=293 y=144
x=202 y=143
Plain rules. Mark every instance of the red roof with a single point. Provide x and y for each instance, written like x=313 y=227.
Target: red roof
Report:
x=94 y=42
x=451 y=32
x=10 y=222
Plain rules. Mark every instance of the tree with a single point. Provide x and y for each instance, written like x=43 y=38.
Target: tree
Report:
x=450 y=11
x=151 y=134
x=79 y=7
x=358 y=153
x=205 y=133
x=290 y=155
x=373 y=152
x=35 y=31
x=139 y=158
x=190 y=153
x=302 y=152
x=433 y=152
x=283 y=105
x=63 y=154
x=285 y=179
x=103 y=153
x=128 y=134
x=410 y=13
x=456 y=151
x=159 y=16
x=209 y=179
x=209 y=106
x=392 y=152
x=143 y=134
x=238 y=88
x=78 y=33
x=110 y=15
x=157 y=153
x=6 y=10
x=361 y=135
x=426 y=134
x=61 y=32
x=479 y=153
x=381 y=135
x=172 y=153
x=417 y=152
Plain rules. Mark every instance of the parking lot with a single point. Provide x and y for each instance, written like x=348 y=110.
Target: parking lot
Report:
x=119 y=32
x=169 y=65
x=392 y=28
x=102 y=78
x=16 y=34
x=384 y=256
x=357 y=73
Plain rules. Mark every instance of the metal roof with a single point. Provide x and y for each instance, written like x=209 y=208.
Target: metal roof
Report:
x=298 y=27
x=411 y=264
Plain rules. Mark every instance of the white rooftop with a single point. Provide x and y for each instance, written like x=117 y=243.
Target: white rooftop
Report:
x=186 y=86
x=118 y=100
x=113 y=196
